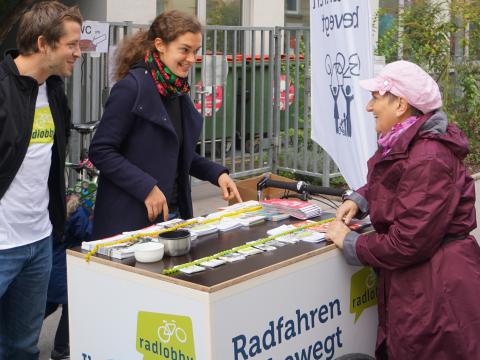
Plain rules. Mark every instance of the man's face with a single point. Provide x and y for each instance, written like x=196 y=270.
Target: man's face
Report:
x=180 y=54
x=61 y=58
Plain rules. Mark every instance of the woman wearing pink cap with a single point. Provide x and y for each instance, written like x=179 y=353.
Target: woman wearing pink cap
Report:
x=421 y=202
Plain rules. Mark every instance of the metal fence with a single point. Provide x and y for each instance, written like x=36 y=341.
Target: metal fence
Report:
x=252 y=85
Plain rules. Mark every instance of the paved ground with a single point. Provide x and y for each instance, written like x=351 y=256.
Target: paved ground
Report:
x=206 y=198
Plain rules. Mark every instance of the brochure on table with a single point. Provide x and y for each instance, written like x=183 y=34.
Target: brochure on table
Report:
x=245 y=214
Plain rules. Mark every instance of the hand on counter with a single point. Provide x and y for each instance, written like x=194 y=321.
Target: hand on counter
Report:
x=347 y=211
x=156 y=203
x=336 y=232
x=228 y=187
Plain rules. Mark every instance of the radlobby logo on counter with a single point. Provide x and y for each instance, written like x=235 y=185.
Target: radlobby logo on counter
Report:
x=165 y=336
x=363 y=291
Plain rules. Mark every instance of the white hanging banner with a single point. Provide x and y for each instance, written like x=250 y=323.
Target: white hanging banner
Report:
x=341 y=43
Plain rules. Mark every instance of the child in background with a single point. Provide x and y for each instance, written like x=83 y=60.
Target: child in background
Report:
x=78 y=228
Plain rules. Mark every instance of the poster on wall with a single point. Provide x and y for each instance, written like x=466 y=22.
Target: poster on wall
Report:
x=341 y=43
x=94 y=37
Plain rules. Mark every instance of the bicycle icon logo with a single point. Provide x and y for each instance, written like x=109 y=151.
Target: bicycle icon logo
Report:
x=371 y=280
x=168 y=329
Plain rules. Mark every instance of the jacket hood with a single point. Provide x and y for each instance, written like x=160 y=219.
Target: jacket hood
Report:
x=438 y=128
x=12 y=52
x=8 y=65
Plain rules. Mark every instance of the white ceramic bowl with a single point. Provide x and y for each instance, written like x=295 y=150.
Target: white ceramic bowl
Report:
x=149 y=252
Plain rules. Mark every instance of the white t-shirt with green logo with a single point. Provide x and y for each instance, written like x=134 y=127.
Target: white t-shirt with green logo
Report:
x=24 y=217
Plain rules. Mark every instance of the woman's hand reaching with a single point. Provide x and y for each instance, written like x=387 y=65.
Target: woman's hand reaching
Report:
x=228 y=187
x=156 y=203
x=336 y=232
x=347 y=211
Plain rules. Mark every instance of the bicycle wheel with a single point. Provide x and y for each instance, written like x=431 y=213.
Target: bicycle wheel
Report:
x=181 y=335
x=162 y=333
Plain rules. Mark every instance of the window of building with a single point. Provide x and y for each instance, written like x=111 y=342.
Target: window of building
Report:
x=292 y=6
x=387 y=16
x=187 y=6
x=224 y=12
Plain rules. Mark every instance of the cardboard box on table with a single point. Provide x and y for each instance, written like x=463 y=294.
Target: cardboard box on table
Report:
x=248 y=188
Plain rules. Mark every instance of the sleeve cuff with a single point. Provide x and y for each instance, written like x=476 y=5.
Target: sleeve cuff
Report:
x=361 y=203
x=349 y=248
x=224 y=171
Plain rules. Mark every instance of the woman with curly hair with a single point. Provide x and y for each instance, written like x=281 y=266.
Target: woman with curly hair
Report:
x=145 y=144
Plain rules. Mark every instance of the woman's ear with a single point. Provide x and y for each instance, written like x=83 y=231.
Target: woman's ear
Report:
x=159 y=45
x=402 y=107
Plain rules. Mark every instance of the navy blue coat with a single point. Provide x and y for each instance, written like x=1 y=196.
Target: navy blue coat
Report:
x=136 y=147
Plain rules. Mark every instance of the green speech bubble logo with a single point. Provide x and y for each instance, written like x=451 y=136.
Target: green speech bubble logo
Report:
x=165 y=336
x=363 y=291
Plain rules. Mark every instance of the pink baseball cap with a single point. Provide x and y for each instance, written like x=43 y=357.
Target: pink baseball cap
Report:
x=408 y=80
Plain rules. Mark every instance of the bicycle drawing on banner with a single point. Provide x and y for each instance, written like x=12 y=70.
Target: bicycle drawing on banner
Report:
x=341 y=71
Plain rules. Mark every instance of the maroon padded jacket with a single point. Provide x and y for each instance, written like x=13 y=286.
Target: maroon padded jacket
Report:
x=421 y=202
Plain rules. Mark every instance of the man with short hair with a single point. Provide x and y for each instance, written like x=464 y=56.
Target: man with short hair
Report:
x=34 y=127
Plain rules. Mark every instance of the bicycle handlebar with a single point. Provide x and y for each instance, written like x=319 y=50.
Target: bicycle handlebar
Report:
x=85 y=165
x=292 y=186
x=299 y=187
x=314 y=189
x=85 y=128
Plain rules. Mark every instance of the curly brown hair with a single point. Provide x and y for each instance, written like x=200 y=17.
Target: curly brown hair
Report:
x=45 y=19
x=167 y=26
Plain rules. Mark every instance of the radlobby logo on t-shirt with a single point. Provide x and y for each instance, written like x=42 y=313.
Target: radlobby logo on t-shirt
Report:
x=165 y=336
x=43 y=127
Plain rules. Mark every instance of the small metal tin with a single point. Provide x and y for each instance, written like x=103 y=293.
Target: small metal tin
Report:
x=176 y=242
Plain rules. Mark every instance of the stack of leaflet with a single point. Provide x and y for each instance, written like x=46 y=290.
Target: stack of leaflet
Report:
x=296 y=208
x=117 y=251
x=171 y=223
x=201 y=229
x=310 y=234
x=280 y=229
x=243 y=219
x=240 y=206
x=126 y=249
x=229 y=210
x=249 y=219
x=233 y=220
x=196 y=228
x=228 y=223
x=307 y=235
x=271 y=215
x=146 y=231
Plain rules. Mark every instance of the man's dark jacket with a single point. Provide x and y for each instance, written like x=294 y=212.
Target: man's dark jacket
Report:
x=18 y=95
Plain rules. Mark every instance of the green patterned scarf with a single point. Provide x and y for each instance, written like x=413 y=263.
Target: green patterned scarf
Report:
x=167 y=83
